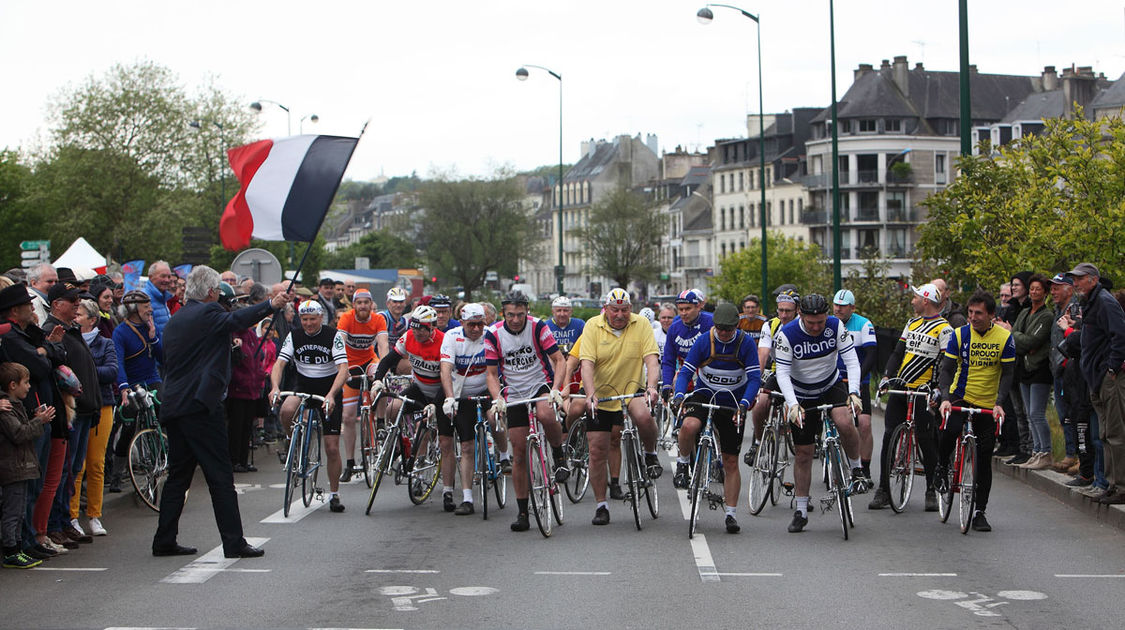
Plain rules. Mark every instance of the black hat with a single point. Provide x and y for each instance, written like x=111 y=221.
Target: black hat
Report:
x=66 y=274
x=63 y=291
x=726 y=315
x=327 y=282
x=14 y=296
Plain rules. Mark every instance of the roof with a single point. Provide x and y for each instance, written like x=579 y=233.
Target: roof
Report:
x=593 y=163
x=697 y=176
x=1039 y=106
x=1113 y=97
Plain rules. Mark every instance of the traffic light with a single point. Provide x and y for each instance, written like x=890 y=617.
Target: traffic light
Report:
x=433 y=279
x=516 y=277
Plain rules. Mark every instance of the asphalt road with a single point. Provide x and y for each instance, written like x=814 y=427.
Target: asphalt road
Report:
x=405 y=566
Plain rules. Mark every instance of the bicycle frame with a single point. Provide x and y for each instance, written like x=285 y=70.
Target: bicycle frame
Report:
x=546 y=488
x=965 y=448
x=839 y=491
x=148 y=450
x=297 y=464
x=632 y=458
x=707 y=455
x=905 y=451
x=486 y=471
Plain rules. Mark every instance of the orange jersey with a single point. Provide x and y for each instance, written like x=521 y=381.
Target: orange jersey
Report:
x=359 y=337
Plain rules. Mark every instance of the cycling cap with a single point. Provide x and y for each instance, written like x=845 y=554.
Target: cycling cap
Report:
x=929 y=292
x=814 y=304
x=310 y=307
x=361 y=294
x=648 y=314
x=788 y=295
x=515 y=297
x=396 y=294
x=844 y=297
x=726 y=315
x=617 y=297
x=423 y=315
x=472 y=312
x=691 y=296
x=561 y=302
x=440 y=301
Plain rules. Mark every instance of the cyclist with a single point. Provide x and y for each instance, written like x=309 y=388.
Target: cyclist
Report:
x=806 y=352
x=318 y=352
x=863 y=336
x=616 y=345
x=421 y=348
x=915 y=361
x=395 y=325
x=140 y=352
x=786 y=312
x=692 y=322
x=723 y=362
x=444 y=308
x=361 y=327
x=751 y=319
x=522 y=351
x=565 y=328
x=976 y=371
x=463 y=375
x=664 y=318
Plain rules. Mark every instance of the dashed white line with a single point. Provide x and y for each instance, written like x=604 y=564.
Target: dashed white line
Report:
x=297 y=511
x=1090 y=575
x=917 y=575
x=42 y=568
x=572 y=573
x=208 y=565
x=427 y=571
x=750 y=574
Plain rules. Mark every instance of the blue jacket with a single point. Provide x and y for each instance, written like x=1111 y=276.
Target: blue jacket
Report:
x=678 y=344
x=137 y=357
x=160 y=313
x=1103 y=337
x=731 y=368
x=105 y=361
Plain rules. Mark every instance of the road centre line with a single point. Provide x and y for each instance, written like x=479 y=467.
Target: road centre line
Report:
x=1090 y=575
x=704 y=563
x=572 y=573
x=77 y=569
x=428 y=571
x=207 y=566
x=749 y=574
x=297 y=511
x=917 y=575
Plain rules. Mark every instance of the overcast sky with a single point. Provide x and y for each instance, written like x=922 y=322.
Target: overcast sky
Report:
x=437 y=78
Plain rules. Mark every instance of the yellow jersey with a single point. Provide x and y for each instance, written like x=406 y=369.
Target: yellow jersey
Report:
x=618 y=355
x=980 y=359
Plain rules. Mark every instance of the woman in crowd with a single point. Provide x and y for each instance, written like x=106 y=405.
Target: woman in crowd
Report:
x=105 y=358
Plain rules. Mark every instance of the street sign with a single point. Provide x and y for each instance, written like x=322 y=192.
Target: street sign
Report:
x=36 y=245
x=34 y=252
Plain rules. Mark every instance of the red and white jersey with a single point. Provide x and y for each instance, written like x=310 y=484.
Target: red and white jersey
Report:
x=425 y=360
x=467 y=358
x=523 y=357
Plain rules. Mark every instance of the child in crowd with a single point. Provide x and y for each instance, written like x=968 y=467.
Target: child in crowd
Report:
x=18 y=463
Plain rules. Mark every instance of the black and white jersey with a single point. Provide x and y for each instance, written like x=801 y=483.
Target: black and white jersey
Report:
x=315 y=356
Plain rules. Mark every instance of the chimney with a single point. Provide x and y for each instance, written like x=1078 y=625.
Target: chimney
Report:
x=902 y=75
x=919 y=67
x=885 y=66
x=1078 y=88
x=863 y=69
x=586 y=147
x=1050 y=79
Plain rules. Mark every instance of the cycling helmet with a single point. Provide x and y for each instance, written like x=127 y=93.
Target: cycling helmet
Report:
x=561 y=302
x=690 y=296
x=648 y=314
x=813 y=304
x=515 y=297
x=441 y=301
x=788 y=295
x=310 y=307
x=134 y=298
x=423 y=316
x=617 y=297
x=396 y=294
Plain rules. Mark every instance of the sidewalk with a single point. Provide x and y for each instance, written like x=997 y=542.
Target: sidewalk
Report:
x=1053 y=483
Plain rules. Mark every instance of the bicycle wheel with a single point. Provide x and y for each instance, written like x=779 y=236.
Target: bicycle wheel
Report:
x=577 y=451
x=148 y=466
x=901 y=466
x=383 y=464
x=537 y=486
x=968 y=484
x=293 y=467
x=945 y=501
x=481 y=468
x=427 y=465
x=652 y=498
x=632 y=477
x=700 y=480
x=761 y=475
x=838 y=484
x=367 y=447
x=310 y=468
x=499 y=480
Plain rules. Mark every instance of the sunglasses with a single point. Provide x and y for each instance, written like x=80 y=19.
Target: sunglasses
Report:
x=473 y=324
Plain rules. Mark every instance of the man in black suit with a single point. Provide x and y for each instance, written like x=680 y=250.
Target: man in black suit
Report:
x=197 y=349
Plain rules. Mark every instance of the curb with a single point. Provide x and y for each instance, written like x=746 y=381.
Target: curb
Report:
x=1053 y=484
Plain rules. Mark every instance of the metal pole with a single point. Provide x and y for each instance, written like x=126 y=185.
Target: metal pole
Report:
x=836 y=280
x=561 y=271
x=966 y=105
x=762 y=159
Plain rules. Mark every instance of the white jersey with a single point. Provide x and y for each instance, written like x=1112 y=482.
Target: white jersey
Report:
x=522 y=358
x=467 y=358
x=314 y=356
x=807 y=366
x=660 y=336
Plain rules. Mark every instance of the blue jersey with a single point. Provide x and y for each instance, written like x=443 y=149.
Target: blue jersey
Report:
x=730 y=367
x=863 y=336
x=566 y=337
x=680 y=339
x=450 y=325
x=806 y=365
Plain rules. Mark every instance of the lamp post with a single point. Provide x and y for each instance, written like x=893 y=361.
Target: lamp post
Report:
x=837 y=282
x=705 y=16
x=560 y=269
x=966 y=103
x=257 y=107
x=313 y=118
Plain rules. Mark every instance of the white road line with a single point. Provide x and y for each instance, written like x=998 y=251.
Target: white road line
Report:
x=206 y=566
x=1089 y=575
x=685 y=504
x=401 y=571
x=42 y=568
x=572 y=573
x=750 y=574
x=145 y=628
x=297 y=511
x=917 y=575
x=703 y=560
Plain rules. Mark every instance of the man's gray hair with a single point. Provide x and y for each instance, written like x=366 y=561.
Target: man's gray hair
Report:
x=158 y=263
x=258 y=293
x=200 y=281
x=36 y=272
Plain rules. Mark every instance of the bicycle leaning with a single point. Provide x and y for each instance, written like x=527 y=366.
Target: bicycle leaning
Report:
x=302 y=461
x=148 y=450
x=409 y=451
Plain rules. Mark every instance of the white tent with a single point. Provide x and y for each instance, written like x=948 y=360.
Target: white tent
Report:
x=81 y=254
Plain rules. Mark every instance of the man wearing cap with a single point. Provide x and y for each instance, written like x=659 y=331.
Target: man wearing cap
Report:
x=326 y=295
x=361 y=328
x=160 y=287
x=863 y=336
x=691 y=324
x=1103 y=358
x=914 y=361
x=786 y=300
x=565 y=328
x=1064 y=299
x=40 y=279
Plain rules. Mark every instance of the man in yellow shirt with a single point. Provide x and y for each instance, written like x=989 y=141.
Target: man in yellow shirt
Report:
x=615 y=346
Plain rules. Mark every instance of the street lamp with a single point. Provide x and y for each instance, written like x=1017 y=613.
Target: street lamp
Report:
x=257 y=107
x=301 y=123
x=837 y=281
x=560 y=269
x=705 y=16
x=195 y=124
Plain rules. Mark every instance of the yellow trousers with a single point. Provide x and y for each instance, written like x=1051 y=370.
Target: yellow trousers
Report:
x=95 y=464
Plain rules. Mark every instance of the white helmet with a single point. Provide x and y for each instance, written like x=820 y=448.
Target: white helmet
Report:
x=617 y=297
x=423 y=315
x=648 y=314
x=561 y=302
x=396 y=294
x=310 y=307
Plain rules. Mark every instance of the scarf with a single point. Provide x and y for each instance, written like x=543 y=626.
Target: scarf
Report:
x=90 y=336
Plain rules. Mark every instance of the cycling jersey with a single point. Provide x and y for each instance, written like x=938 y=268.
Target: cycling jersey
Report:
x=765 y=339
x=467 y=358
x=660 y=336
x=359 y=337
x=863 y=337
x=424 y=358
x=806 y=365
x=566 y=337
x=979 y=358
x=752 y=324
x=522 y=357
x=394 y=328
x=680 y=338
x=718 y=366
x=314 y=356
x=925 y=338
x=618 y=356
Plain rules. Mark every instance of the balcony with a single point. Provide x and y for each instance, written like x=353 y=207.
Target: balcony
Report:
x=904 y=215
x=870 y=214
x=867 y=176
x=694 y=262
x=903 y=178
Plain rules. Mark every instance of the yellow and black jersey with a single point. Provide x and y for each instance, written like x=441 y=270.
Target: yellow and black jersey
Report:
x=980 y=359
x=925 y=339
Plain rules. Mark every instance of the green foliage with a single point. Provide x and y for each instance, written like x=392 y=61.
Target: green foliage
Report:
x=790 y=261
x=351 y=190
x=384 y=249
x=879 y=297
x=622 y=238
x=21 y=220
x=549 y=171
x=1044 y=203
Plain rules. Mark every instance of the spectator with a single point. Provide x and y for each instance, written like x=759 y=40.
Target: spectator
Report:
x=1062 y=296
x=229 y=277
x=664 y=318
x=102 y=291
x=327 y=298
x=340 y=297
x=40 y=279
x=139 y=349
x=950 y=310
x=1080 y=413
x=93 y=460
x=18 y=463
x=245 y=400
x=751 y=319
x=489 y=313
x=177 y=299
x=161 y=283
x=1032 y=336
x=5 y=282
x=1005 y=296
x=1016 y=436
x=349 y=290
x=118 y=287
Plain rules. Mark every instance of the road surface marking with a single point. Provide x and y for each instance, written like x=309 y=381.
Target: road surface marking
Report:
x=572 y=573
x=297 y=511
x=750 y=574
x=917 y=575
x=42 y=568
x=1090 y=575
x=207 y=566
x=473 y=591
x=703 y=560
x=401 y=571
x=1021 y=595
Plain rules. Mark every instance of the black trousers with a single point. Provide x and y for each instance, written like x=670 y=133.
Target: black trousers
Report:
x=240 y=421
x=924 y=432
x=199 y=439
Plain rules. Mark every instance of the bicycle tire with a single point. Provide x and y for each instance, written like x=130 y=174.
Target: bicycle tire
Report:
x=293 y=468
x=311 y=459
x=383 y=464
x=577 y=450
x=499 y=480
x=761 y=474
x=427 y=465
x=901 y=470
x=968 y=484
x=148 y=466
x=652 y=498
x=632 y=481
x=836 y=471
x=367 y=450
x=537 y=487
x=483 y=470
x=700 y=480
x=945 y=499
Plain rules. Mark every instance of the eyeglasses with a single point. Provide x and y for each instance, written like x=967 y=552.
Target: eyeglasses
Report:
x=473 y=324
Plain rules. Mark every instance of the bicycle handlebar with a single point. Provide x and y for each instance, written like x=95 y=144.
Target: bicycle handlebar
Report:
x=528 y=401
x=907 y=392
x=302 y=396
x=972 y=410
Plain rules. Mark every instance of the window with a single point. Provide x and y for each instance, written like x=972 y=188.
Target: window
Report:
x=722 y=183
x=722 y=218
x=893 y=125
x=868 y=241
x=753 y=216
x=742 y=245
x=791 y=211
x=740 y=181
x=741 y=217
x=896 y=206
x=723 y=249
x=939 y=168
x=800 y=205
x=769 y=214
x=751 y=180
x=867 y=125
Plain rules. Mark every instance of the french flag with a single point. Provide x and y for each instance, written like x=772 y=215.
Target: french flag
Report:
x=286 y=187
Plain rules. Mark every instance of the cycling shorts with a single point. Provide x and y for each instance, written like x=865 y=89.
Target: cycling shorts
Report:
x=769 y=384
x=605 y=420
x=413 y=392
x=723 y=422
x=465 y=420
x=517 y=415
x=835 y=395
x=320 y=387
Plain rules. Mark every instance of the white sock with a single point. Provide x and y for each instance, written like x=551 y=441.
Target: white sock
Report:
x=682 y=460
x=730 y=510
x=447 y=489
x=803 y=506
x=504 y=455
x=855 y=463
x=603 y=504
x=333 y=494
x=467 y=495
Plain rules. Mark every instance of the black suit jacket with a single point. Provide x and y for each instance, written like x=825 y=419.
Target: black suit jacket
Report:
x=197 y=349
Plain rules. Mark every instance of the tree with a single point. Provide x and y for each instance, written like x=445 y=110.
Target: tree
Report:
x=1044 y=202
x=790 y=261
x=878 y=297
x=21 y=220
x=622 y=238
x=382 y=248
x=470 y=227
